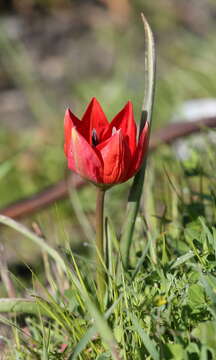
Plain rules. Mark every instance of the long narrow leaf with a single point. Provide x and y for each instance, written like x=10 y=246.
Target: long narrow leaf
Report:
x=147 y=342
x=137 y=186
x=91 y=332
x=20 y=305
x=103 y=328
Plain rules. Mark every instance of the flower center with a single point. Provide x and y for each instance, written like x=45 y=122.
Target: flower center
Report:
x=114 y=130
x=95 y=140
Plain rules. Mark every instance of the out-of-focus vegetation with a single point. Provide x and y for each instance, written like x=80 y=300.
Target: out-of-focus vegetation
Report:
x=56 y=54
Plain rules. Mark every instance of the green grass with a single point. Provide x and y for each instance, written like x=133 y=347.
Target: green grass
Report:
x=163 y=307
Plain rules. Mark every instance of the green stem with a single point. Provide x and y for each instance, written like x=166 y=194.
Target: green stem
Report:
x=133 y=208
x=100 y=274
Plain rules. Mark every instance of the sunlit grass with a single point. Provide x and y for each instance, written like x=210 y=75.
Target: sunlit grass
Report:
x=162 y=306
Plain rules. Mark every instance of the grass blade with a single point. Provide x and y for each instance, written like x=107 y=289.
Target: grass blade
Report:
x=82 y=343
x=182 y=259
x=148 y=343
x=33 y=237
x=20 y=305
x=90 y=333
x=141 y=260
x=103 y=329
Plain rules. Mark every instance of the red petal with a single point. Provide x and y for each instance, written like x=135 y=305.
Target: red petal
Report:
x=140 y=152
x=116 y=158
x=70 y=120
x=84 y=159
x=94 y=118
x=124 y=120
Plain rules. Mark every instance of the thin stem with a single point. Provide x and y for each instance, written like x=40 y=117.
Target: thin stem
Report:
x=100 y=274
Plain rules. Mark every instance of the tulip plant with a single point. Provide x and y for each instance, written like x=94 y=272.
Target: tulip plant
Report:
x=107 y=154
x=104 y=153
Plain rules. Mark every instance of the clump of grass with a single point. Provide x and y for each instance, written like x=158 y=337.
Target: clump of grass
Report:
x=161 y=307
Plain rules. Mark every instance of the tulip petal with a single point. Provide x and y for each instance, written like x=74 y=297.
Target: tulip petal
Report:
x=84 y=159
x=124 y=120
x=70 y=120
x=140 y=152
x=94 y=118
x=116 y=158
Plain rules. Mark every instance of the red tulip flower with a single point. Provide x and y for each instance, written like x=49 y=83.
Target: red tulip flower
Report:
x=102 y=152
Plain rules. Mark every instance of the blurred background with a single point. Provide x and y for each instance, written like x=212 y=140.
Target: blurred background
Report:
x=60 y=53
